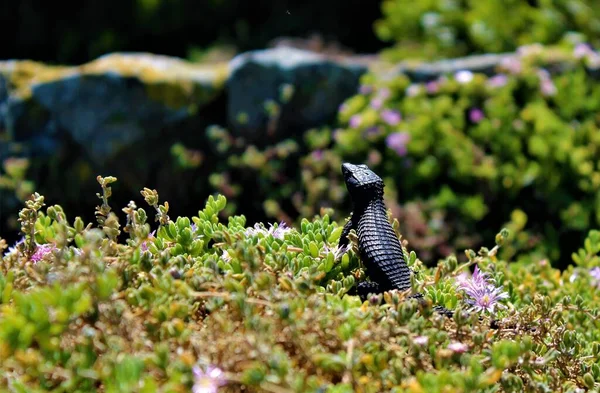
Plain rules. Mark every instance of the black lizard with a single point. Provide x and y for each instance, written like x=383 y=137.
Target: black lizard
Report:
x=379 y=247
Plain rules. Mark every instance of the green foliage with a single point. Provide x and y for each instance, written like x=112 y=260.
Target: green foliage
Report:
x=14 y=177
x=208 y=300
x=518 y=149
x=461 y=156
x=450 y=28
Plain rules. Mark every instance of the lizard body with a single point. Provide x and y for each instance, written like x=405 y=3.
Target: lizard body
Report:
x=379 y=247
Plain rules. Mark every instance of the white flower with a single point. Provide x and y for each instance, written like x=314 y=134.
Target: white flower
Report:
x=463 y=77
x=209 y=381
x=458 y=347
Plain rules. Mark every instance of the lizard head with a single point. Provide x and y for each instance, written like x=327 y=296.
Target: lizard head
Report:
x=360 y=179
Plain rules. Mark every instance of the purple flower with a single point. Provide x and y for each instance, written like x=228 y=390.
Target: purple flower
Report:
x=432 y=87
x=595 y=273
x=144 y=245
x=317 y=154
x=376 y=103
x=337 y=251
x=279 y=231
x=365 y=89
x=256 y=229
x=397 y=142
x=41 y=251
x=484 y=296
x=458 y=347
x=342 y=107
x=497 y=80
x=582 y=50
x=391 y=117
x=373 y=131
x=209 y=381
x=226 y=257
x=421 y=340
x=15 y=248
x=476 y=115
x=355 y=121
x=573 y=276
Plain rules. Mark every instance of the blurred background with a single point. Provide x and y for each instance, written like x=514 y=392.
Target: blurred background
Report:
x=478 y=115
x=184 y=28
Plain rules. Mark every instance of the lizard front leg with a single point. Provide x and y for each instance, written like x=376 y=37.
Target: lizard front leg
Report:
x=366 y=288
x=346 y=231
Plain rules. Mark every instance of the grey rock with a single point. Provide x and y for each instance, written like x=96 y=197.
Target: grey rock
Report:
x=318 y=85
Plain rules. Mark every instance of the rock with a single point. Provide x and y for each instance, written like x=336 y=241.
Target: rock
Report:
x=105 y=105
x=302 y=89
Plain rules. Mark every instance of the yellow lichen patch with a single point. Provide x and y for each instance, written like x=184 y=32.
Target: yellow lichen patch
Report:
x=155 y=68
x=23 y=74
x=174 y=82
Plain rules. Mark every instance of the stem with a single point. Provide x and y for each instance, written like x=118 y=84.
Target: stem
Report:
x=227 y=296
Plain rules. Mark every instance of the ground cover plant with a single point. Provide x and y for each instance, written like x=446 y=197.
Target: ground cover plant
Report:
x=209 y=303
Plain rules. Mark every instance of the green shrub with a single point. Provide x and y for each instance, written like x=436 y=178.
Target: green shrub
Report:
x=449 y=28
x=461 y=156
x=477 y=152
x=208 y=301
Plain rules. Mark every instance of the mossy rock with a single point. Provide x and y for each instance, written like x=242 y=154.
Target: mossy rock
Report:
x=107 y=104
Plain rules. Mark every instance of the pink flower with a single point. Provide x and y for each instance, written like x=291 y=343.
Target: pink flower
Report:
x=41 y=251
x=476 y=115
x=384 y=93
x=511 y=64
x=209 y=381
x=548 y=88
x=497 y=80
x=355 y=121
x=421 y=340
x=391 y=117
x=397 y=142
x=458 y=347
x=317 y=154
x=374 y=158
